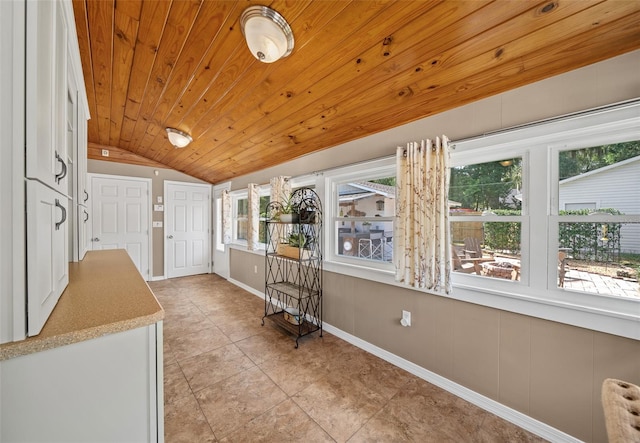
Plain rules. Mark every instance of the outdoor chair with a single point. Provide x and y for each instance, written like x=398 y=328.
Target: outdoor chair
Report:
x=562 y=267
x=472 y=247
x=372 y=247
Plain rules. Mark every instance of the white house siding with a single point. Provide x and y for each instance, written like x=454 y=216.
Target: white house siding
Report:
x=616 y=186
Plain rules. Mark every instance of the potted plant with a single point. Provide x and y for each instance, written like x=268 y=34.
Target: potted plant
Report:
x=294 y=246
x=288 y=213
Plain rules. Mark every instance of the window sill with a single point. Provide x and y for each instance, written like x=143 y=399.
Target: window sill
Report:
x=243 y=247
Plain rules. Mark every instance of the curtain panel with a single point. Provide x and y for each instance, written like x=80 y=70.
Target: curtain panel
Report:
x=280 y=189
x=422 y=255
x=227 y=225
x=253 y=240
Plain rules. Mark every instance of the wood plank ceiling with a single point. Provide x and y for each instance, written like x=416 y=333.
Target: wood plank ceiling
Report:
x=358 y=67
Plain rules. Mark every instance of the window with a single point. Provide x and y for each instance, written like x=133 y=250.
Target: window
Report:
x=599 y=243
x=262 y=233
x=240 y=218
x=577 y=217
x=485 y=210
x=362 y=210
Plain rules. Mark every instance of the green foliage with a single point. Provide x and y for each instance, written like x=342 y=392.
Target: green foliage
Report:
x=484 y=186
x=297 y=239
x=389 y=181
x=590 y=241
x=503 y=236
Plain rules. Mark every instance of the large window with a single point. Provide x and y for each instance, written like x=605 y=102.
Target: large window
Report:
x=240 y=218
x=598 y=223
x=362 y=210
x=485 y=210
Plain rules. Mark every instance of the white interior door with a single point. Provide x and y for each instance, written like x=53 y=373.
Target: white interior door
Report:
x=220 y=251
x=187 y=229
x=120 y=207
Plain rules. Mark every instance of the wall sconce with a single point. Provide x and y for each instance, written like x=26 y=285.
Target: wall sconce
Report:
x=380 y=205
x=178 y=138
x=267 y=33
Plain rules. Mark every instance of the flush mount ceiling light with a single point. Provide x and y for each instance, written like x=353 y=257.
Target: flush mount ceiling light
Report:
x=267 y=33
x=178 y=138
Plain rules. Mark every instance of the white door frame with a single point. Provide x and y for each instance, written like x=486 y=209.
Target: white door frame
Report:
x=166 y=201
x=220 y=257
x=149 y=182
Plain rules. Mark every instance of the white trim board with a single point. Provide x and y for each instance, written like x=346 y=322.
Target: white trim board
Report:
x=511 y=415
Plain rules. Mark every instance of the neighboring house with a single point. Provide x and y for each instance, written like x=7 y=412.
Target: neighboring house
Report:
x=615 y=186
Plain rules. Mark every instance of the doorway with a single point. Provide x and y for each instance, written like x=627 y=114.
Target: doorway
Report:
x=121 y=217
x=187 y=229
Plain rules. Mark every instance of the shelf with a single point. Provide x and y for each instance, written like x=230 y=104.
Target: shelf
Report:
x=292 y=290
x=286 y=257
x=302 y=329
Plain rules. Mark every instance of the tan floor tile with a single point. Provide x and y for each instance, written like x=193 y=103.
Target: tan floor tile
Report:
x=339 y=405
x=211 y=367
x=496 y=430
x=285 y=422
x=268 y=345
x=185 y=423
x=175 y=384
x=185 y=323
x=235 y=401
x=292 y=372
x=198 y=342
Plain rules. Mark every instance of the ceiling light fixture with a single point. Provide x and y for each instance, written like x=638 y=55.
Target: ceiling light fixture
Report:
x=267 y=33
x=178 y=138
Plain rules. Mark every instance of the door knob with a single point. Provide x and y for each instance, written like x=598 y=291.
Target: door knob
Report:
x=95 y=239
x=169 y=236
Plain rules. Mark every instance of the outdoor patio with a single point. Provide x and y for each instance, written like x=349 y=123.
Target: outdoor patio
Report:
x=600 y=284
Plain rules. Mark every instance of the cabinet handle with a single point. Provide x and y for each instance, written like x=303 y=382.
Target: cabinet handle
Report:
x=86 y=195
x=63 y=173
x=86 y=216
x=64 y=215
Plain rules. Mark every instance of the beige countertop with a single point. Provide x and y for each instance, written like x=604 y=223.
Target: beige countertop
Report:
x=106 y=294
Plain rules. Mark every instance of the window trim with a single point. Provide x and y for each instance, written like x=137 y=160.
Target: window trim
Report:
x=235 y=196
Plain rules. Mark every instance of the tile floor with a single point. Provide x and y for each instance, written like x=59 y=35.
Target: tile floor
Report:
x=229 y=379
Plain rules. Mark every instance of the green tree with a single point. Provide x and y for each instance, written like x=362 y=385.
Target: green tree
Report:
x=485 y=186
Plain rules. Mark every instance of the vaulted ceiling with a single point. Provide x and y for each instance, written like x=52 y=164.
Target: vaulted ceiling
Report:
x=358 y=67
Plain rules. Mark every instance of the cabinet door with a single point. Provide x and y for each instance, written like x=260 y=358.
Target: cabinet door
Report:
x=47 y=252
x=46 y=93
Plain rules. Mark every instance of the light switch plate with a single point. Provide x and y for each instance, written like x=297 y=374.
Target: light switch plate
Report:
x=159 y=208
x=157 y=224
x=159 y=199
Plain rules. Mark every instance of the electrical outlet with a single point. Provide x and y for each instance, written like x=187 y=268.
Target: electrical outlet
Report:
x=105 y=153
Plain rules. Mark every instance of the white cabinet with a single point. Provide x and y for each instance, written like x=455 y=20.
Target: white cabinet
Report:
x=46 y=93
x=105 y=389
x=47 y=252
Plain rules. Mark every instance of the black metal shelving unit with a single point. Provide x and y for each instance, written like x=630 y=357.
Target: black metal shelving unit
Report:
x=293 y=276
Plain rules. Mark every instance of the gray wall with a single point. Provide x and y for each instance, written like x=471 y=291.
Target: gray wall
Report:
x=157 y=189
x=550 y=371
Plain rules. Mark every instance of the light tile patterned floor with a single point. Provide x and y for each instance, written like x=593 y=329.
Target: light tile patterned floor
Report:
x=229 y=379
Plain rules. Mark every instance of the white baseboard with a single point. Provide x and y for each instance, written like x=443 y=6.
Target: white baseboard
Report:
x=157 y=278
x=511 y=415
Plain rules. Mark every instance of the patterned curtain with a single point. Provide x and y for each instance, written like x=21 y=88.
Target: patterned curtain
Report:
x=226 y=218
x=254 y=217
x=280 y=188
x=421 y=251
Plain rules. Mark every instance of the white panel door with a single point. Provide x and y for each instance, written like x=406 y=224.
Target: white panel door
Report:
x=120 y=210
x=187 y=242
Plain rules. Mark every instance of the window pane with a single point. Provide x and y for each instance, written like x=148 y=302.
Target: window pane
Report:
x=242 y=229
x=242 y=208
x=600 y=258
x=490 y=249
x=262 y=231
x=602 y=179
x=373 y=198
x=372 y=241
x=493 y=188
